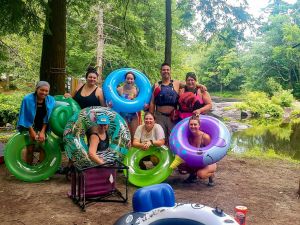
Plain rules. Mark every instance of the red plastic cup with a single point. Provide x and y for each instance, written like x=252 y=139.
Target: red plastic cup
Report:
x=240 y=214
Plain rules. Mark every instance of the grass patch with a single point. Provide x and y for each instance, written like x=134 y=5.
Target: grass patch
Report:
x=270 y=154
x=227 y=94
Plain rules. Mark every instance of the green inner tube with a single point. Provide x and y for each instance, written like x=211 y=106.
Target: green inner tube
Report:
x=155 y=175
x=64 y=109
x=31 y=173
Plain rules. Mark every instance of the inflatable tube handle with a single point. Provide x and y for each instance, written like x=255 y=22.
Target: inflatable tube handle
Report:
x=176 y=162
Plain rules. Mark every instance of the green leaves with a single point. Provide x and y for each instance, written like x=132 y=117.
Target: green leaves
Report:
x=9 y=108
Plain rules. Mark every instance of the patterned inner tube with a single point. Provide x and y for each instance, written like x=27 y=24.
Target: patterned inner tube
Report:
x=75 y=134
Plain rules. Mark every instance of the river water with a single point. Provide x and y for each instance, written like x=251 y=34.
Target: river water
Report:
x=283 y=139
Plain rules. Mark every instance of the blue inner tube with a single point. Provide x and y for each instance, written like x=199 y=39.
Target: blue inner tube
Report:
x=119 y=103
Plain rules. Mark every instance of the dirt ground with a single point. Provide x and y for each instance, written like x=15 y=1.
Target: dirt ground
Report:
x=267 y=187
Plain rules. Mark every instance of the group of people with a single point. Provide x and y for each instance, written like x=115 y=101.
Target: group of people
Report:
x=171 y=101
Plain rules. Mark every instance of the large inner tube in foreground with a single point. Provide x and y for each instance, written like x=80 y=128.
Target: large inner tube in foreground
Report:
x=31 y=173
x=75 y=134
x=155 y=205
x=180 y=214
x=155 y=175
x=200 y=157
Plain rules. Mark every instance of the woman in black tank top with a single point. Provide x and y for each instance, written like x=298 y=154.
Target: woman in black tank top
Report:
x=98 y=142
x=89 y=94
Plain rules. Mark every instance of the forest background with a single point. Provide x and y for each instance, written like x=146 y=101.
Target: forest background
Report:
x=228 y=48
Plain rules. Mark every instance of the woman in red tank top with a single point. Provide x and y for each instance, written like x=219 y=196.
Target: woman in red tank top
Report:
x=199 y=103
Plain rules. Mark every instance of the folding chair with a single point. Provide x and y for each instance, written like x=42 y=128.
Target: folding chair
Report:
x=98 y=184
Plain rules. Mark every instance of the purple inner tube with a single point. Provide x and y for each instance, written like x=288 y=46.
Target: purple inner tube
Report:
x=200 y=157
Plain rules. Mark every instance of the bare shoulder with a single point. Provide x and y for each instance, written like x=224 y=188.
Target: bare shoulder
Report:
x=120 y=89
x=94 y=138
x=99 y=91
x=176 y=82
x=206 y=138
x=78 y=87
x=177 y=85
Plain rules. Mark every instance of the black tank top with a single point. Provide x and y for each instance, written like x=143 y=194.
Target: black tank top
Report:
x=39 y=115
x=86 y=101
x=103 y=144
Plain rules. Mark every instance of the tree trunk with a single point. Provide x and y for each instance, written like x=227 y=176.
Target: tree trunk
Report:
x=100 y=47
x=168 y=41
x=53 y=61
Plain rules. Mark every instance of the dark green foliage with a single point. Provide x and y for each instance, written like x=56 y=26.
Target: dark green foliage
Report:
x=9 y=108
x=20 y=17
x=296 y=90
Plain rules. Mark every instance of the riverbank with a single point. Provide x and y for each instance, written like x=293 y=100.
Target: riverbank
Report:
x=267 y=187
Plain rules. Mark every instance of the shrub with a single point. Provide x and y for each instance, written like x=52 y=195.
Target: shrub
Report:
x=272 y=86
x=9 y=107
x=284 y=98
x=259 y=104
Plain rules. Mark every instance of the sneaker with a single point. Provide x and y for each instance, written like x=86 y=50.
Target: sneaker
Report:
x=211 y=182
x=191 y=179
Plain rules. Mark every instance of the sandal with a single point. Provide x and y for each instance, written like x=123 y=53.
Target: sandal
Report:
x=211 y=182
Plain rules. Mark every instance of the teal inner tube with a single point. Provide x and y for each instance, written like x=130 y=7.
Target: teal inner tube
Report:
x=155 y=175
x=31 y=173
x=75 y=134
x=64 y=109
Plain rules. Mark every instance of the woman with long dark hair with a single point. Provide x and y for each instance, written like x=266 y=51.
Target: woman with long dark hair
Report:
x=88 y=94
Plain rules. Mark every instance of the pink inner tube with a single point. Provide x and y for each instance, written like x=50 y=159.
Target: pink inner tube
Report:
x=201 y=157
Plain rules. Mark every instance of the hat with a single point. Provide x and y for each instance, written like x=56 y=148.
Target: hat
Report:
x=42 y=83
x=103 y=119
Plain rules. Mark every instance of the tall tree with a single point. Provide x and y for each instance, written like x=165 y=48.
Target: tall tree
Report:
x=168 y=41
x=53 y=61
x=100 y=45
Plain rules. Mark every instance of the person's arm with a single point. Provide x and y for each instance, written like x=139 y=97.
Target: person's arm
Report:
x=206 y=139
x=32 y=133
x=160 y=136
x=152 y=104
x=182 y=84
x=101 y=97
x=201 y=87
x=41 y=135
x=135 y=92
x=137 y=138
x=94 y=141
x=120 y=90
x=158 y=143
x=137 y=144
x=207 y=104
x=177 y=85
x=68 y=95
